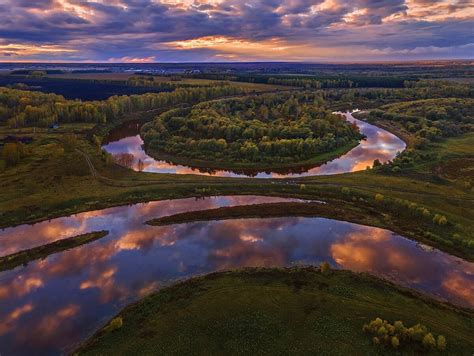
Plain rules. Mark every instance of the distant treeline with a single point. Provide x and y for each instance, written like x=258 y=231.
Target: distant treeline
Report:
x=316 y=82
x=26 y=108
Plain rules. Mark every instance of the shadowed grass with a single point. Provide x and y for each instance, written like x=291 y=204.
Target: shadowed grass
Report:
x=276 y=311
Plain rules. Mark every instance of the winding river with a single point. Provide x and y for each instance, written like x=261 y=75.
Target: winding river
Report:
x=379 y=144
x=49 y=305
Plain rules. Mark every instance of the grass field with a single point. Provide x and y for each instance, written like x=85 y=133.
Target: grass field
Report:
x=277 y=311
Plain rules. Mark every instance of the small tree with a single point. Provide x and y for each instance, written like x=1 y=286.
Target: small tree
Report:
x=116 y=324
x=429 y=341
x=140 y=165
x=395 y=342
x=69 y=142
x=345 y=191
x=11 y=154
x=426 y=213
x=441 y=342
x=325 y=267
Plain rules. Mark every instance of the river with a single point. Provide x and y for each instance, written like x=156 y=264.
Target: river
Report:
x=379 y=144
x=51 y=304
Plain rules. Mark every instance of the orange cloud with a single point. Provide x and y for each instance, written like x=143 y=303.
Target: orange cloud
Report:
x=9 y=319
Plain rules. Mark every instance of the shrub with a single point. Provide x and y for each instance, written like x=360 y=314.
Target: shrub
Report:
x=425 y=212
x=396 y=169
x=115 y=324
x=345 y=191
x=440 y=219
x=395 y=342
x=441 y=342
x=396 y=334
x=69 y=142
x=302 y=186
x=325 y=267
x=379 y=198
x=429 y=341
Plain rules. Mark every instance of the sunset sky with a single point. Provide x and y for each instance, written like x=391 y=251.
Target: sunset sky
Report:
x=235 y=30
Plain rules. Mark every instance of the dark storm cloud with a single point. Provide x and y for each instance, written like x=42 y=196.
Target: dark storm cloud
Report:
x=144 y=28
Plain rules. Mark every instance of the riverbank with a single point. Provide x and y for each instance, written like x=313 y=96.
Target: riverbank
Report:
x=297 y=310
x=252 y=169
x=25 y=256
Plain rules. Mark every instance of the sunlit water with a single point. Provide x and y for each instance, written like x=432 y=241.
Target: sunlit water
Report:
x=379 y=144
x=54 y=303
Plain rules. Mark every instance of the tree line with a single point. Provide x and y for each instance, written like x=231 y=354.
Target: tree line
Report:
x=20 y=108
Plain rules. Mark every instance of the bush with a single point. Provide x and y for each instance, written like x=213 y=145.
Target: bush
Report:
x=115 y=324
x=425 y=212
x=441 y=342
x=396 y=335
x=345 y=191
x=429 y=341
x=69 y=142
x=440 y=219
x=302 y=186
x=395 y=342
x=325 y=267
x=379 y=198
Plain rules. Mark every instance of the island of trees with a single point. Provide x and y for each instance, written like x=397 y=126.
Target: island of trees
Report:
x=271 y=129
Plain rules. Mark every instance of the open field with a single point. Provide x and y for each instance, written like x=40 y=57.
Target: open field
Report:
x=275 y=311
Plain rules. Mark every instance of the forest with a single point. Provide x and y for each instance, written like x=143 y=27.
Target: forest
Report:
x=20 y=108
x=268 y=128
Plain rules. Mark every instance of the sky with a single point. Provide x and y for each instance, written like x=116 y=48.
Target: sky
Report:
x=235 y=30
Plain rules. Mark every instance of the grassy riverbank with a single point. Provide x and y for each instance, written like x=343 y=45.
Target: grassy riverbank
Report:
x=276 y=311
x=40 y=252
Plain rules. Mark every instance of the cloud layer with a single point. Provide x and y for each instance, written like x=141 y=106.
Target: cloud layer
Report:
x=236 y=30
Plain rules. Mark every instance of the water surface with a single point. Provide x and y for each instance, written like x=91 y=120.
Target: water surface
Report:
x=51 y=304
x=379 y=144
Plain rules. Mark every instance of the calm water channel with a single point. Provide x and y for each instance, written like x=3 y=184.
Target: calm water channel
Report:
x=51 y=304
x=379 y=144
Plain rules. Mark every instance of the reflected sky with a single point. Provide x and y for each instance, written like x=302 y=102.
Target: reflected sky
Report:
x=379 y=144
x=51 y=304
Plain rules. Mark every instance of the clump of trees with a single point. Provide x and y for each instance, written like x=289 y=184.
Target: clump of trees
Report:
x=430 y=120
x=273 y=128
x=125 y=160
x=397 y=335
